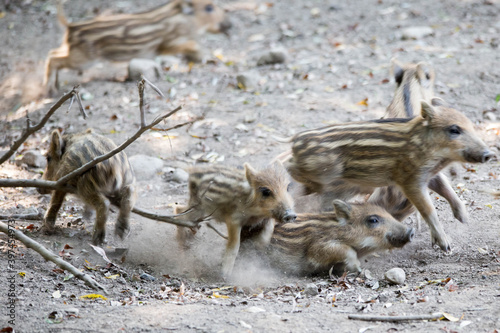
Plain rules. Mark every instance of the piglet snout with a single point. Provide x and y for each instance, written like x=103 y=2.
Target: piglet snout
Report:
x=289 y=216
x=487 y=155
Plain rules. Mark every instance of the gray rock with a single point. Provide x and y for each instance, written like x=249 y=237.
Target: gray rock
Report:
x=180 y=176
x=145 y=167
x=33 y=158
x=275 y=56
x=177 y=175
x=147 y=67
x=147 y=277
x=248 y=80
x=395 y=276
x=311 y=289
x=168 y=60
x=417 y=32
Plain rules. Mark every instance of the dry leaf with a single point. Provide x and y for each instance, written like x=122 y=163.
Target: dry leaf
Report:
x=363 y=102
x=216 y=295
x=101 y=252
x=450 y=317
x=93 y=296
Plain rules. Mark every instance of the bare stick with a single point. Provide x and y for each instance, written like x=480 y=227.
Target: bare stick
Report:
x=164 y=218
x=79 y=100
x=32 y=129
x=155 y=88
x=32 y=216
x=47 y=255
x=211 y=226
x=140 y=86
x=71 y=102
x=434 y=316
x=115 y=151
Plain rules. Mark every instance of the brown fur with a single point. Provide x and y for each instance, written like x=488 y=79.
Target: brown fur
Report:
x=407 y=153
x=239 y=199
x=316 y=242
x=112 y=178
x=169 y=29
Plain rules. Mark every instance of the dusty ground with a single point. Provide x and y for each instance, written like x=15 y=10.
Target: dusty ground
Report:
x=338 y=56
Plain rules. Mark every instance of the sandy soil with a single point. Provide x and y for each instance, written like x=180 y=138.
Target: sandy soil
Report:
x=338 y=56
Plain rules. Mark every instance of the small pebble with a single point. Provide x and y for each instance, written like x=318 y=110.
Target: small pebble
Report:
x=311 y=289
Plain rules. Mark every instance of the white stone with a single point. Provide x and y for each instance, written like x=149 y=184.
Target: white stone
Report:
x=417 y=32
x=395 y=276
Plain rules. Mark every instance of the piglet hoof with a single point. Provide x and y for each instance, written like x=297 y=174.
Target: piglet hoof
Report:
x=98 y=237
x=122 y=232
x=47 y=230
x=443 y=243
x=462 y=216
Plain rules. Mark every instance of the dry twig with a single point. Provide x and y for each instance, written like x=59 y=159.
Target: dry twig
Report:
x=47 y=255
x=434 y=316
x=32 y=129
x=115 y=151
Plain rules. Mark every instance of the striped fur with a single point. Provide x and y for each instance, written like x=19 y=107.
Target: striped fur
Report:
x=407 y=153
x=316 y=242
x=169 y=29
x=112 y=178
x=414 y=82
x=239 y=198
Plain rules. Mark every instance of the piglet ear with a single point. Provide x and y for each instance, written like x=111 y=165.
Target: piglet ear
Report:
x=342 y=210
x=397 y=71
x=56 y=143
x=428 y=112
x=425 y=75
x=249 y=173
x=187 y=7
x=436 y=101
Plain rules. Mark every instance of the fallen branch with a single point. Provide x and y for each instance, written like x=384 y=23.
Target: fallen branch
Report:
x=40 y=183
x=32 y=216
x=434 y=316
x=32 y=129
x=47 y=255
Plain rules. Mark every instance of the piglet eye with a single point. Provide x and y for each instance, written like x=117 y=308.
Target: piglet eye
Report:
x=373 y=219
x=289 y=187
x=265 y=192
x=209 y=8
x=454 y=130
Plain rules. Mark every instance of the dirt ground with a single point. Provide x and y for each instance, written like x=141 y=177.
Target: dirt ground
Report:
x=338 y=56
